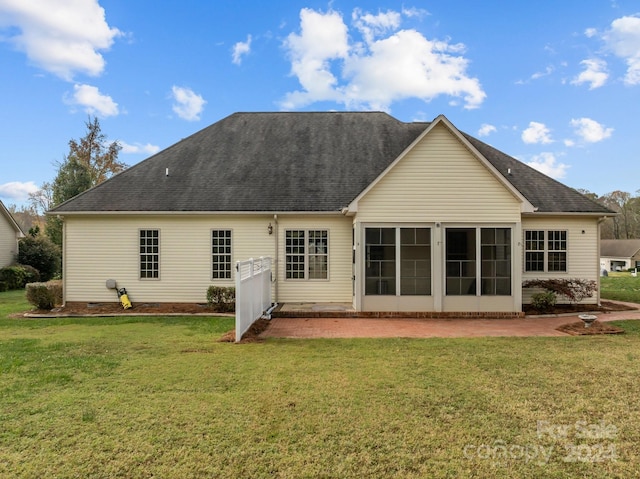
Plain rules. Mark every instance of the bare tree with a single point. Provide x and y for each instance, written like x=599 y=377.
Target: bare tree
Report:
x=93 y=151
x=42 y=200
x=625 y=224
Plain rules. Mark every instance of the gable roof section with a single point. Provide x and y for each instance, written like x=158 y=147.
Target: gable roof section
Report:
x=526 y=206
x=293 y=162
x=5 y=212
x=619 y=248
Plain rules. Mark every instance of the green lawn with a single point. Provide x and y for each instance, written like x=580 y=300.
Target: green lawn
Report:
x=621 y=287
x=159 y=397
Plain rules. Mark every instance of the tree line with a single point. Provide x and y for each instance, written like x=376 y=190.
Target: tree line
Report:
x=626 y=223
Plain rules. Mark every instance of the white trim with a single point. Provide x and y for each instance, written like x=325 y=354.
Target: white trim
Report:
x=197 y=213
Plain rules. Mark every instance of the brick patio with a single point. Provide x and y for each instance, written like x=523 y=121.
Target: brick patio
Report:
x=349 y=327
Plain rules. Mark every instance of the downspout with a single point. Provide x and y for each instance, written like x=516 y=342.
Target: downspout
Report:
x=276 y=260
x=598 y=232
x=64 y=260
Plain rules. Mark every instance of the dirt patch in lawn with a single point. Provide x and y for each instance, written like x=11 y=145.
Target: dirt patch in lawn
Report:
x=578 y=329
x=251 y=336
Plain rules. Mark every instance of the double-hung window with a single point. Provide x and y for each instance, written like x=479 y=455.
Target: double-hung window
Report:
x=149 y=254
x=307 y=254
x=545 y=251
x=221 y=254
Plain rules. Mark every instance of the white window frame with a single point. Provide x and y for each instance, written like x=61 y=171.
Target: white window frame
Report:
x=305 y=254
x=143 y=273
x=546 y=240
x=218 y=254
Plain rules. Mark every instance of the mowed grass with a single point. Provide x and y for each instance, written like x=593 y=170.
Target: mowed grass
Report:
x=160 y=397
x=620 y=287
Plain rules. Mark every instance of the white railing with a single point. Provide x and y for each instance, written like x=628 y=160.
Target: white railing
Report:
x=253 y=292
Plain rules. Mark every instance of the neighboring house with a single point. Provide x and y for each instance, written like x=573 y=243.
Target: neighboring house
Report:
x=10 y=233
x=353 y=207
x=619 y=255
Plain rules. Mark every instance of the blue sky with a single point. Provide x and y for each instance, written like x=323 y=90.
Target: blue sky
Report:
x=554 y=83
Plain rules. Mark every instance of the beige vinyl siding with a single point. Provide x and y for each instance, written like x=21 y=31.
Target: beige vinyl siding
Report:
x=583 y=257
x=439 y=180
x=104 y=247
x=338 y=287
x=8 y=242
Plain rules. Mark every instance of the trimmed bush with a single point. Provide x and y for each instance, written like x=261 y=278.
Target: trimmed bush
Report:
x=45 y=295
x=3 y=287
x=14 y=276
x=221 y=299
x=543 y=302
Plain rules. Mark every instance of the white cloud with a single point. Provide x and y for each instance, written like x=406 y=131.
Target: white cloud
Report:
x=415 y=12
x=590 y=130
x=372 y=26
x=486 y=130
x=323 y=38
x=241 y=49
x=590 y=32
x=136 y=148
x=595 y=73
x=93 y=102
x=17 y=190
x=547 y=163
x=547 y=71
x=623 y=39
x=63 y=37
x=536 y=133
x=388 y=65
x=188 y=105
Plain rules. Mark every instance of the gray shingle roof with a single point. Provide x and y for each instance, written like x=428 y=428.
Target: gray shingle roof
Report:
x=288 y=162
x=619 y=248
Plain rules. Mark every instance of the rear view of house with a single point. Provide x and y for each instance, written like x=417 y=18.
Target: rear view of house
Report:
x=353 y=207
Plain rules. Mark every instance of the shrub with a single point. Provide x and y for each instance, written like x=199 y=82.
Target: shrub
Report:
x=543 y=302
x=41 y=253
x=45 y=295
x=32 y=275
x=14 y=276
x=3 y=287
x=575 y=290
x=221 y=299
